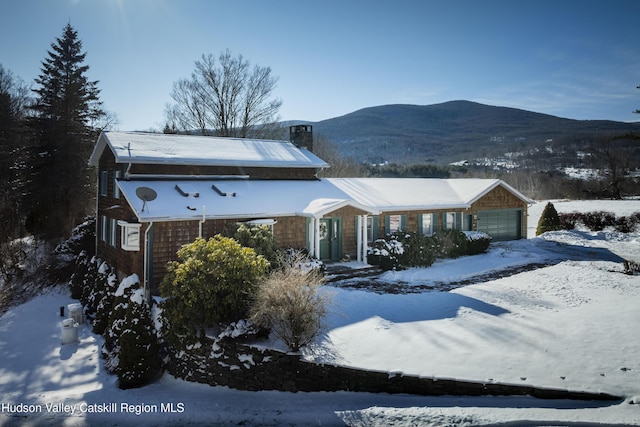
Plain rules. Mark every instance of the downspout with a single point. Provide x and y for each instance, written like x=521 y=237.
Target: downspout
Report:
x=204 y=212
x=145 y=281
x=97 y=218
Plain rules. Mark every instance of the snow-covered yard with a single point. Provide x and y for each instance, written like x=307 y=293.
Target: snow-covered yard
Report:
x=573 y=324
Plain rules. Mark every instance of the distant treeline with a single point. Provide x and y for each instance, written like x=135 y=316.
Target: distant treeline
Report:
x=394 y=170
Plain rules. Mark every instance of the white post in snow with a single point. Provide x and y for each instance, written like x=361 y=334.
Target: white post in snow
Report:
x=359 y=238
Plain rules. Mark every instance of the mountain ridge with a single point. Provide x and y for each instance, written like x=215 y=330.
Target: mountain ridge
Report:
x=452 y=131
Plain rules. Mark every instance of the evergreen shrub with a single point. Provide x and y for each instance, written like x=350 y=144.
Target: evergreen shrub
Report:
x=477 y=242
x=211 y=283
x=549 y=220
x=139 y=360
x=450 y=243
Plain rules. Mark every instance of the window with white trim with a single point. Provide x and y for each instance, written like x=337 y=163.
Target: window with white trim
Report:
x=113 y=232
x=116 y=189
x=103 y=228
x=129 y=235
x=426 y=224
x=452 y=220
x=104 y=183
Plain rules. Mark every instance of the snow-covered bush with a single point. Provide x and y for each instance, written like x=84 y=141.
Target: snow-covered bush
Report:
x=299 y=257
x=599 y=220
x=122 y=297
x=76 y=283
x=139 y=359
x=64 y=255
x=104 y=295
x=13 y=254
x=568 y=221
x=549 y=220
x=290 y=304
x=386 y=253
x=212 y=282
x=88 y=281
x=103 y=285
x=477 y=242
x=450 y=243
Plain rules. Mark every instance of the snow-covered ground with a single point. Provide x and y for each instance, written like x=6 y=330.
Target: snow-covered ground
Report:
x=573 y=324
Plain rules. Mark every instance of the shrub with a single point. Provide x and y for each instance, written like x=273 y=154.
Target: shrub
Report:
x=568 y=221
x=386 y=253
x=289 y=303
x=210 y=283
x=257 y=237
x=549 y=220
x=402 y=249
x=450 y=243
x=139 y=361
x=419 y=250
x=105 y=298
x=105 y=281
x=111 y=347
x=76 y=283
x=477 y=242
x=597 y=221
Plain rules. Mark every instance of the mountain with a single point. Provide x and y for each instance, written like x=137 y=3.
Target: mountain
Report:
x=454 y=131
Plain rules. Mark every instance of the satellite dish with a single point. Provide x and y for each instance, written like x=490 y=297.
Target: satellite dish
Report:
x=146 y=194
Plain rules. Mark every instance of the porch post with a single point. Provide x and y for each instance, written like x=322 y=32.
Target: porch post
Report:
x=316 y=238
x=359 y=238
x=365 y=239
x=310 y=234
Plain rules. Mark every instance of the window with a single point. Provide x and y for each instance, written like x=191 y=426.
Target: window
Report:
x=116 y=189
x=395 y=223
x=113 y=230
x=425 y=224
x=104 y=183
x=129 y=236
x=451 y=220
x=103 y=228
x=372 y=228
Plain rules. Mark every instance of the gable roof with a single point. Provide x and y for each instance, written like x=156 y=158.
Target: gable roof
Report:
x=226 y=199
x=387 y=194
x=157 y=148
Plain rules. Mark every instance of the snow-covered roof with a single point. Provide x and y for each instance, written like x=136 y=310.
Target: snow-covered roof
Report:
x=189 y=199
x=157 y=148
x=419 y=193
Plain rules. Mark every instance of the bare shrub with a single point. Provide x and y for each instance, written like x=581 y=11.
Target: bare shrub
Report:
x=290 y=304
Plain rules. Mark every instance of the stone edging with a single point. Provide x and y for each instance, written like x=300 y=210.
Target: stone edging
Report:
x=242 y=367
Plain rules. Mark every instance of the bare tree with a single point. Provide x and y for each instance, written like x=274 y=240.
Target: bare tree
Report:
x=615 y=158
x=227 y=96
x=341 y=166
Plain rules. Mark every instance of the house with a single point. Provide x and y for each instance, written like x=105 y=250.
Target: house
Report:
x=156 y=192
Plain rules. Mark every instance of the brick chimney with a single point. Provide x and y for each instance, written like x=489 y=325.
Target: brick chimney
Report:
x=302 y=136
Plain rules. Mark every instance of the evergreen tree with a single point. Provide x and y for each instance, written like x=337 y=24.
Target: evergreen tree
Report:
x=14 y=146
x=549 y=220
x=139 y=361
x=66 y=107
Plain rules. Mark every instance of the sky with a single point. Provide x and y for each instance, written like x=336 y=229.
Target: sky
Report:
x=578 y=59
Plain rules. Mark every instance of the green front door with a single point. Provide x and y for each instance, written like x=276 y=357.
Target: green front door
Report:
x=330 y=238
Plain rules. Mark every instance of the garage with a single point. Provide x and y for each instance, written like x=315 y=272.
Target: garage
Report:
x=501 y=224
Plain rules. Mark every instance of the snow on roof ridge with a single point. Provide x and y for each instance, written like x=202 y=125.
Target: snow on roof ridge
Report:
x=157 y=148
